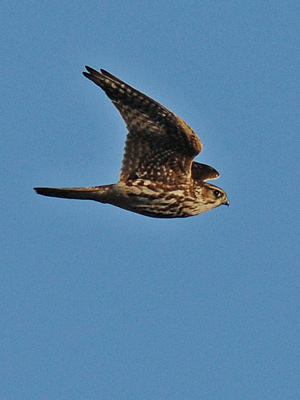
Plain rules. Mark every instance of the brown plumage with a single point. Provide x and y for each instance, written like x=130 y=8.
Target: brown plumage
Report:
x=158 y=176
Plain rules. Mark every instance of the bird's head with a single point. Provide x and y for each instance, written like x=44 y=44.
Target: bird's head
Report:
x=213 y=196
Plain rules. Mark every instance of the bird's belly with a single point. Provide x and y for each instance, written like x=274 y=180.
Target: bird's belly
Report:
x=153 y=201
x=159 y=207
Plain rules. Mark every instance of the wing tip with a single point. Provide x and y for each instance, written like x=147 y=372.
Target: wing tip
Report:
x=101 y=74
x=91 y=73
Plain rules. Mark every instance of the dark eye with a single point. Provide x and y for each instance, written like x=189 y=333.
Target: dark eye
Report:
x=217 y=193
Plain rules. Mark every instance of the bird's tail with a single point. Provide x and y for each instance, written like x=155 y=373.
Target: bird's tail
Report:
x=98 y=193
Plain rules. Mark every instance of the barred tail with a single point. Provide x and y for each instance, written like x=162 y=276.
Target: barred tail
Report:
x=98 y=193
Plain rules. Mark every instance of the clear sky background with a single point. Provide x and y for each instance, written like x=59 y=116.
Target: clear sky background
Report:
x=100 y=303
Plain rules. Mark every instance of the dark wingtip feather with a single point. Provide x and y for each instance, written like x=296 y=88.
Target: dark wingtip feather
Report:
x=104 y=72
x=91 y=70
x=92 y=73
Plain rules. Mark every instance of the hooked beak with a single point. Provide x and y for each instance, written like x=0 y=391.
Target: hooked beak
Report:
x=226 y=202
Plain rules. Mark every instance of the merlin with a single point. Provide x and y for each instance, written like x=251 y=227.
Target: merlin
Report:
x=158 y=176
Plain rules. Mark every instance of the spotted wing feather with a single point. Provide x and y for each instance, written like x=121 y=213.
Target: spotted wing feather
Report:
x=159 y=145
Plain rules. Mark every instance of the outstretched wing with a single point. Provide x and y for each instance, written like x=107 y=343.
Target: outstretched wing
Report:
x=159 y=145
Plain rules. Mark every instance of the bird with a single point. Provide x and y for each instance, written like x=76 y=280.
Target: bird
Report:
x=158 y=176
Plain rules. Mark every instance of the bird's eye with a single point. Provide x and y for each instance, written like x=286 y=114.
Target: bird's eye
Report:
x=217 y=193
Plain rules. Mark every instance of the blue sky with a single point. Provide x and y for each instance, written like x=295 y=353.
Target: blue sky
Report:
x=100 y=303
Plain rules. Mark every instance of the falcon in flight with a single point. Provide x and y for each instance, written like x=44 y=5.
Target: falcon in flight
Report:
x=158 y=175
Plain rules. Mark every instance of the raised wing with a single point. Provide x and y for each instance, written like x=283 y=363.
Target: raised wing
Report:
x=159 y=145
